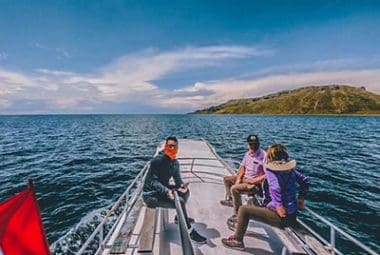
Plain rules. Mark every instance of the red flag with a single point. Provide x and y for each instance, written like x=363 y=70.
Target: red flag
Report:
x=21 y=230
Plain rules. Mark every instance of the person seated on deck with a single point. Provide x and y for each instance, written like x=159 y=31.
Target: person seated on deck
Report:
x=156 y=190
x=249 y=178
x=282 y=209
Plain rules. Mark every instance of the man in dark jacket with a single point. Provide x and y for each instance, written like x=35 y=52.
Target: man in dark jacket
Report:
x=157 y=192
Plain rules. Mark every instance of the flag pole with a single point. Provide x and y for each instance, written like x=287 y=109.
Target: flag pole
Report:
x=30 y=184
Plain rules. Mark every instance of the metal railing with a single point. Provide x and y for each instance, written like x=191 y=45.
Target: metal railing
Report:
x=333 y=230
x=192 y=163
x=130 y=196
x=187 y=247
x=222 y=161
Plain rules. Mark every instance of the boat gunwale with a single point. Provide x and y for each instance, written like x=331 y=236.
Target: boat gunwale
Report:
x=129 y=205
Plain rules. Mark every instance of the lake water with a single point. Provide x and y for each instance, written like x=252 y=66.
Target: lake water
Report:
x=82 y=163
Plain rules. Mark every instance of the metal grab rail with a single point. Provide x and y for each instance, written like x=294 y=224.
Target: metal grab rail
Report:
x=223 y=162
x=187 y=247
x=333 y=230
x=231 y=170
x=127 y=195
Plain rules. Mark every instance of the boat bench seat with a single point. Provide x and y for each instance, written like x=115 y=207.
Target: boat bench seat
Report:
x=292 y=243
x=148 y=230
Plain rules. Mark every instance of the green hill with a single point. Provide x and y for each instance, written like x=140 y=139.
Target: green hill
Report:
x=331 y=99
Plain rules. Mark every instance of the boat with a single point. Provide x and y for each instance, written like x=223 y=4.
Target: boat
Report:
x=129 y=227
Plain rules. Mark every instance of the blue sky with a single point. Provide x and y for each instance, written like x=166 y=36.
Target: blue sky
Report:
x=178 y=56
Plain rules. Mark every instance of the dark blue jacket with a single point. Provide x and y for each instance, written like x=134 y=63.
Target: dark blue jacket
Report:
x=161 y=169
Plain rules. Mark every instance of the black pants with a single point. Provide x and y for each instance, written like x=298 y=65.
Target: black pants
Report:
x=165 y=202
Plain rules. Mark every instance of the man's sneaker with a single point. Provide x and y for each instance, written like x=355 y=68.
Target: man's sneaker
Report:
x=227 y=203
x=233 y=243
x=191 y=220
x=196 y=237
x=233 y=218
x=231 y=225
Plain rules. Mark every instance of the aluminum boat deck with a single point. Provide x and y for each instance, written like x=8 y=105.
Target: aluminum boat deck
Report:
x=201 y=167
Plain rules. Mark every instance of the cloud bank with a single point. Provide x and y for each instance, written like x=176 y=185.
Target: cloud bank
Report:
x=130 y=80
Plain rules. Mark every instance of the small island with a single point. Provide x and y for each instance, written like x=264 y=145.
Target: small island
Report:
x=329 y=99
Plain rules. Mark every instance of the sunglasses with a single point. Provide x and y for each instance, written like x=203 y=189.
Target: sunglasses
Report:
x=172 y=146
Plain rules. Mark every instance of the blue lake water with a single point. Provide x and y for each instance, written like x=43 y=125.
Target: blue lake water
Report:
x=81 y=163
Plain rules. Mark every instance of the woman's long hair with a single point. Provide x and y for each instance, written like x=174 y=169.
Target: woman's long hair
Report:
x=277 y=152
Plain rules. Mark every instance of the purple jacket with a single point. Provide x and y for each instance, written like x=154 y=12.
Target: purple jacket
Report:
x=282 y=188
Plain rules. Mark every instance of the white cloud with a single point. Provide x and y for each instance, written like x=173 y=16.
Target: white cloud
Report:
x=222 y=91
x=128 y=79
x=14 y=78
x=60 y=52
x=12 y=83
x=131 y=79
x=316 y=66
x=54 y=72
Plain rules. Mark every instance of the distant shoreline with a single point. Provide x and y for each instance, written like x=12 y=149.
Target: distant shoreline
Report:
x=287 y=114
x=157 y=114
x=335 y=100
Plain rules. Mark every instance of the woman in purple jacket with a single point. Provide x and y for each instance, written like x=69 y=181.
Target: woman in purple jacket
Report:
x=281 y=212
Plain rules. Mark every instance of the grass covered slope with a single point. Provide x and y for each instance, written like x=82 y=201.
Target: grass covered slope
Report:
x=332 y=99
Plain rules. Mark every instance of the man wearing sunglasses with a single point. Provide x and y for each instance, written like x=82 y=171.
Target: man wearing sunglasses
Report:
x=249 y=177
x=157 y=192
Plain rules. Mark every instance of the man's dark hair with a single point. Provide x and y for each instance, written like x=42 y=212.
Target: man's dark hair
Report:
x=172 y=138
x=254 y=146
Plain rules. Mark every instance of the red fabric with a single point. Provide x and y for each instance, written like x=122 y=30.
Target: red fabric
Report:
x=170 y=152
x=21 y=230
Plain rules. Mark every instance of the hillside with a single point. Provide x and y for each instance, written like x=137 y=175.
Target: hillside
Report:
x=331 y=99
